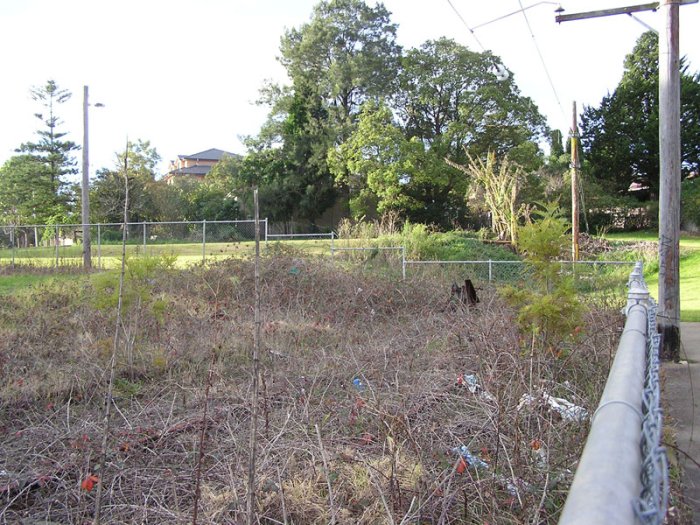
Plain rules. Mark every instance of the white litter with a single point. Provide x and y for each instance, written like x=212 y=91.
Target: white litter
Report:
x=565 y=408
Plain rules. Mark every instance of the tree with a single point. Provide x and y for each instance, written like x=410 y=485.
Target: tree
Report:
x=450 y=98
x=26 y=194
x=51 y=154
x=450 y=101
x=375 y=164
x=108 y=192
x=345 y=55
x=621 y=136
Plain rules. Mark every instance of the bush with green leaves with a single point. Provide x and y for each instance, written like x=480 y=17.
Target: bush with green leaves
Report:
x=549 y=308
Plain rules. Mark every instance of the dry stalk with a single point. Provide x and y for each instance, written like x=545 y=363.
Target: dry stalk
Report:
x=253 y=442
x=327 y=474
x=115 y=346
x=202 y=440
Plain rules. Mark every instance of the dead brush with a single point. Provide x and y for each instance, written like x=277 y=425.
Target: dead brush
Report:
x=429 y=381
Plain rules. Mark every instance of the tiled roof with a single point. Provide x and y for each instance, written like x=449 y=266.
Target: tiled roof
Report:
x=210 y=154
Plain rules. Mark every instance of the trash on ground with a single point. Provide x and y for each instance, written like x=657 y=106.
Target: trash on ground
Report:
x=471 y=460
x=471 y=382
x=566 y=409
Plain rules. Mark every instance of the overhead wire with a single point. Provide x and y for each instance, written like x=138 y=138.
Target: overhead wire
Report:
x=459 y=15
x=544 y=64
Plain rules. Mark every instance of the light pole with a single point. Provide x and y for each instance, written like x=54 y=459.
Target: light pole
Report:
x=85 y=190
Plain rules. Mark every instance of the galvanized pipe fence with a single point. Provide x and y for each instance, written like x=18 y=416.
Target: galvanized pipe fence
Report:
x=622 y=476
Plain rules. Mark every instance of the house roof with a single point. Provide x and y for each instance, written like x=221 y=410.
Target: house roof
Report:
x=210 y=154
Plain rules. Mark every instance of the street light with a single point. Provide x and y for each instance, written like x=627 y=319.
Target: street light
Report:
x=85 y=193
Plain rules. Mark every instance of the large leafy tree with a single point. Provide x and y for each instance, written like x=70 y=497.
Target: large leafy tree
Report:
x=345 y=55
x=26 y=193
x=449 y=101
x=450 y=98
x=621 y=136
x=50 y=155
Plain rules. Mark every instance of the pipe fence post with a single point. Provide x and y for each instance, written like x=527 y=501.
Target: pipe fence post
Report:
x=490 y=270
x=144 y=239
x=204 y=240
x=56 y=242
x=265 y=232
x=99 y=246
x=13 y=235
x=403 y=263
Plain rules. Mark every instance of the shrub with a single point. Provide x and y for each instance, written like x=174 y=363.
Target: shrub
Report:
x=549 y=308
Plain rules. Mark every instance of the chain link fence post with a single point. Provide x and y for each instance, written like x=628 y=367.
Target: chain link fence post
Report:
x=99 y=246
x=12 y=240
x=56 y=241
x=204 y=241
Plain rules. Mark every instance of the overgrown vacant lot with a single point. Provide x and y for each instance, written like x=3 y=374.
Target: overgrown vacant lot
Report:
x=367 y=387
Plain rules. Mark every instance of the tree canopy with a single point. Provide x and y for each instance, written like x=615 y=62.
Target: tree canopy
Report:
x=33 y=185
x=621 y=136
x=367 y=122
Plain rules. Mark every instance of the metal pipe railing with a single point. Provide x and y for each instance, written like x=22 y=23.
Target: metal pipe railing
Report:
x=609 y=481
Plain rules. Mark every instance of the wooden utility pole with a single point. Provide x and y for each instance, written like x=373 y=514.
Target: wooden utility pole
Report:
x=670 y=165
x=85 y=193
x=575 y=166
x=670 y=182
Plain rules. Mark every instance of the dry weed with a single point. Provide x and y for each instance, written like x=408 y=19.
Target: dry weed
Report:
x=381 y=368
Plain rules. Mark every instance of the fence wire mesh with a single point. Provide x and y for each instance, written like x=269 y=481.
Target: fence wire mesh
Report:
x=62 y=245
x=653 y=502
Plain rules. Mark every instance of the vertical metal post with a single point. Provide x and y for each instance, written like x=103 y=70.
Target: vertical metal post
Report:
x=85 y=193
x=265 y=232
x=332 y=242
x=13 y=236
x=144 y=239
x=99 y=246
x=670 y=181
x=56 y=241
x=490 y=270
x=403 y=263
x=204 y=240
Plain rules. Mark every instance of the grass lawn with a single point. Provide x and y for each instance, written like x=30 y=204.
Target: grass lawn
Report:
x=108 y=255
x=689 y=271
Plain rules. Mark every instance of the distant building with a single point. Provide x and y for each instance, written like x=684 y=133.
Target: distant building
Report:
x=195 y=166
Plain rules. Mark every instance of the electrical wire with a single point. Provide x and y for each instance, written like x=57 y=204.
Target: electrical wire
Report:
x=544 y=64
x=459 y=15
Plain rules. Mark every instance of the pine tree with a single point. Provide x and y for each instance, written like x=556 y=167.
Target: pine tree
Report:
x=52 y=153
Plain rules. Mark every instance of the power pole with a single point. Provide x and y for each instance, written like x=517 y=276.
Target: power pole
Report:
x=670 y=165
x=575 y=166
x=670 y=182
x=85 y=190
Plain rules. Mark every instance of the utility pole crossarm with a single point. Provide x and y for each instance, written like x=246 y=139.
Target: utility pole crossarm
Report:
x=617 y=11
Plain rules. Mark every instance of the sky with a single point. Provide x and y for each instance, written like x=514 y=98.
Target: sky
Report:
x=185 y=74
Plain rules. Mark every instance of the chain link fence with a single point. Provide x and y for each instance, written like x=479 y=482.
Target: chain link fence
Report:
x=62 y=244
x=622 y=476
